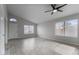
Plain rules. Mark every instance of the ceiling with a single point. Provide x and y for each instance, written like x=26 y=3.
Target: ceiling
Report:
x=35 y=12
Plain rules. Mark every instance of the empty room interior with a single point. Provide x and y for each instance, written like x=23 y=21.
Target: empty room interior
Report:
x=39 y=29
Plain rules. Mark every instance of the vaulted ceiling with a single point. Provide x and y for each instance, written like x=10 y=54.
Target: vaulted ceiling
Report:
x=36 y=14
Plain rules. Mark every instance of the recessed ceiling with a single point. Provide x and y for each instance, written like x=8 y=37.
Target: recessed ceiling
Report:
x=36 y=14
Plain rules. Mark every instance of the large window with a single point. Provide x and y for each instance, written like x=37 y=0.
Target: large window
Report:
x=28 y=29
x=67 y=28
x=59 y=28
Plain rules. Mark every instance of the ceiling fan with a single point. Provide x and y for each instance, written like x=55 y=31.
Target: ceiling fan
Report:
x=55 y=8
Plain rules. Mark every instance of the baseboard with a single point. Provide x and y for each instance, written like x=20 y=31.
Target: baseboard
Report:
x=71 y=44
x=16 y=38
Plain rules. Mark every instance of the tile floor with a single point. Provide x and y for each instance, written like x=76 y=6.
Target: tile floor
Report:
x=38 y=46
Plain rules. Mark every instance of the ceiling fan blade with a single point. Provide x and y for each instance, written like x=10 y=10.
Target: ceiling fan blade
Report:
x=48 y=10
x=53 y=6
x=61 y=6
x=52 y=13
x=60 y=10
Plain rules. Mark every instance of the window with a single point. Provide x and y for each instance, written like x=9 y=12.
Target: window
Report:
x=71 y=28
x=28 y=29
x=67 y=28
x=59 y=28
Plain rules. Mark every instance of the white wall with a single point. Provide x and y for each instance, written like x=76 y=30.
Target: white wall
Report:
x=13 y=30
x=21 y=24
x=47 y=29
x=16 y=30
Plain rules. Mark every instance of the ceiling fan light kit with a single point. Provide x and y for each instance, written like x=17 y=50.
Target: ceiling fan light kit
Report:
x=54 y=10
